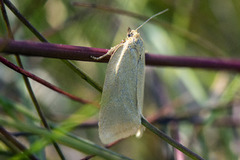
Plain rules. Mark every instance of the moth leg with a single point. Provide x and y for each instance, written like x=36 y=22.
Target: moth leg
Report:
x=110 y=52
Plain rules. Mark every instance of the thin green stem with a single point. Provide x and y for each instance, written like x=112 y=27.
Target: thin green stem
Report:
x=43 y=39
x=83 y=75
x=14 y=144
x=170 y=141
x=27 y=83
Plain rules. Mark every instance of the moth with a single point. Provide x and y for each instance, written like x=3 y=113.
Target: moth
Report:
x=122 y=96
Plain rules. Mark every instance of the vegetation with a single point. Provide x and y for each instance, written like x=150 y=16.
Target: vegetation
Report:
x=50 y=109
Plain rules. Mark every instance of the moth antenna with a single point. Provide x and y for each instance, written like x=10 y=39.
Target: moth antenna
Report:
x=152 y=18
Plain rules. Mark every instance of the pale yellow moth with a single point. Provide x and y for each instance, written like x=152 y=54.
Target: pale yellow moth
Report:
x=122 y=96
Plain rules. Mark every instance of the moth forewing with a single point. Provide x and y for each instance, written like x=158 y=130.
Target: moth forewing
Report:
x=120 y=113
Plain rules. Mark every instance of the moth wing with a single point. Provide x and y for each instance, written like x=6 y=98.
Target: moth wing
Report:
x=140 y=87
x=119 y=116
x=140 y=78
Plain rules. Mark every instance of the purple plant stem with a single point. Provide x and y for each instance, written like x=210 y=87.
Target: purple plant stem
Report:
x=61 y=51
x=193 y=62
x=42 y=81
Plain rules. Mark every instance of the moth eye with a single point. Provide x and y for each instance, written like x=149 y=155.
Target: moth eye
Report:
x=130 y=34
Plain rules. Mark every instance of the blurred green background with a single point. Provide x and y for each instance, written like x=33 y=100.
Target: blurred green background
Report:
x=200 y=107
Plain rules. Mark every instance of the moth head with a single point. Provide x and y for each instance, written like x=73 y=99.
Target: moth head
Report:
x=132 y=33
